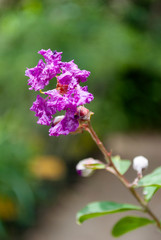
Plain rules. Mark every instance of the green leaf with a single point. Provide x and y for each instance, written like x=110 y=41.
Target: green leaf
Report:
x=149 y=192
x=97 y=209
x=128 y=224
x=96 y=166
x=152 y=179
x=121 y=165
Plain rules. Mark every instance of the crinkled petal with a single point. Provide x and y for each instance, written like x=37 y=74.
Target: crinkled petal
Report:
x=65 y=78
x=69 y=66
x=65 y=126
x=43 y=112
x=56 y=100
x=50 y=56
x=40 y=75
x=79 y=96
x=80 y=75
x=84 y=96
x=73 y=83
x=36 y=76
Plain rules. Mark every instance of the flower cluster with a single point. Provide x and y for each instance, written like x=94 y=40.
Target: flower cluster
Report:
x=68 y=95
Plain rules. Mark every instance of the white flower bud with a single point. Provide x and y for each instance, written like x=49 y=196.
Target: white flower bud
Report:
x=81 y=168
x=140 y=163
x=58 y=119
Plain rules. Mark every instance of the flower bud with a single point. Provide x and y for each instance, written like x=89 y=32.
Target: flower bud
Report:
x=58 y=119
x=84 y=113
x=140 y=163
x=82 y=169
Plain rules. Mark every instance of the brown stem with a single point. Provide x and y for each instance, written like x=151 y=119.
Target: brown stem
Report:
x=98 y=142
x=107 y=156
x=145 y=206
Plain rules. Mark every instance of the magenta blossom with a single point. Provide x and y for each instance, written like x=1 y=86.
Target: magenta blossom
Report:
x=40 y=75
x=68 y=95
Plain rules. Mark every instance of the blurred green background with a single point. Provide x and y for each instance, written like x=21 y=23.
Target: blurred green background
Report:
x=119 y=42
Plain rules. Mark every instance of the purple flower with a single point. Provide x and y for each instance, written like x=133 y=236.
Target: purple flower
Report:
x=69 y=100
x=50 y=56
x=40 y=75
x=80 y=95
x=68 y=95
x=65 y=78
x=80 y=75
x=43 y=112
x=56 y=100
x=68 y=124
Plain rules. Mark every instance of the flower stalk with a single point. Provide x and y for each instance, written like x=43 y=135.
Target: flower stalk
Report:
x=107 y=156
x=69 y=97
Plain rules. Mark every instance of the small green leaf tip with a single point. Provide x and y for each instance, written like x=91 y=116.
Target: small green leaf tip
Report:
x=129 y=223
x=121 y=165
x=149 y=192
x=97 y=209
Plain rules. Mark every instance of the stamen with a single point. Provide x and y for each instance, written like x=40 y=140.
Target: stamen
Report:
x=41 y=91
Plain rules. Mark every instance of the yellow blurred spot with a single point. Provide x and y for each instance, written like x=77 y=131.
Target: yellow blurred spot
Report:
x=8 y=209
x=48 y=167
